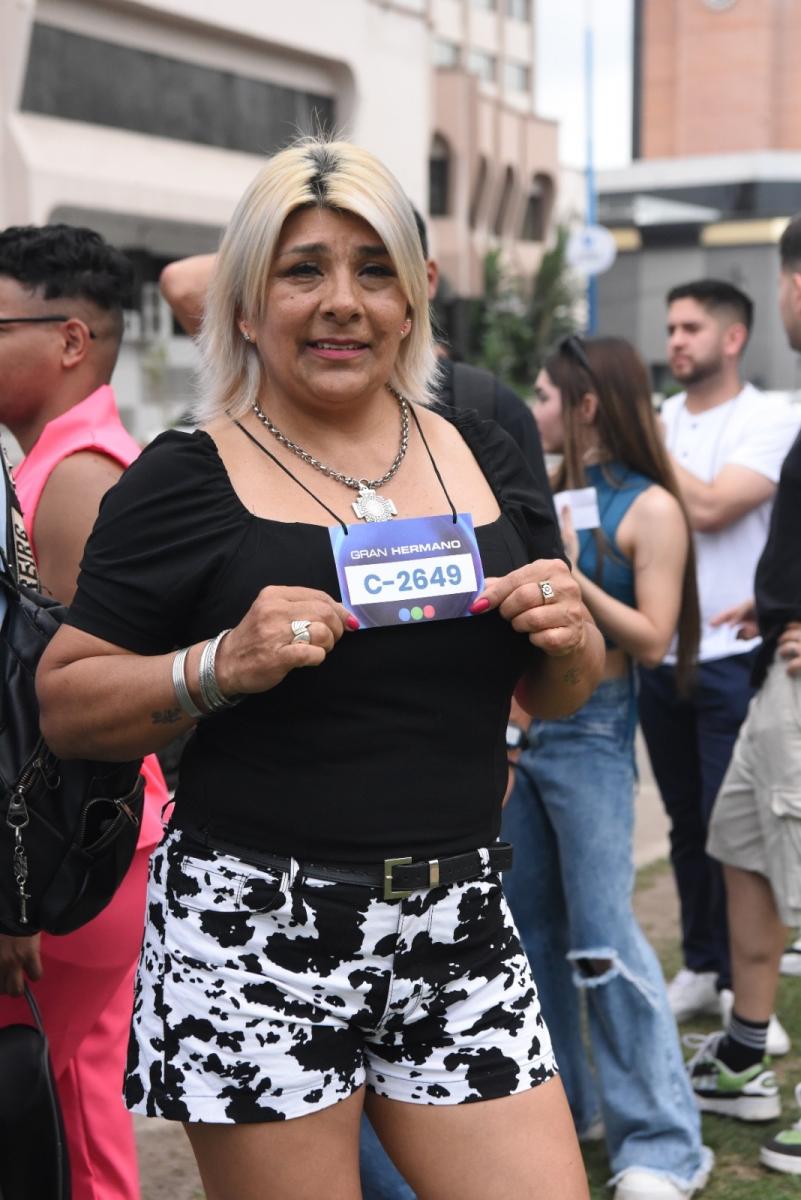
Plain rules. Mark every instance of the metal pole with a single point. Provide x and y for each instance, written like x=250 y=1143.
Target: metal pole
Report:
x=592 y=302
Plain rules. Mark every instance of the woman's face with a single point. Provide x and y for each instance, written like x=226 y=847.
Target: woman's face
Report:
x=548 y=414
x=334 y=315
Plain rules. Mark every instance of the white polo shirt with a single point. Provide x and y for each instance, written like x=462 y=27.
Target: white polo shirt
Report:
x=752 y=430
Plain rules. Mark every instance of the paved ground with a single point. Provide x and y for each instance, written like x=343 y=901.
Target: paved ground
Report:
x=168 y=1168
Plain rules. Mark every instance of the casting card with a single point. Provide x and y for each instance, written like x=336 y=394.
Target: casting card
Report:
x=583 y=505
x=410 y=571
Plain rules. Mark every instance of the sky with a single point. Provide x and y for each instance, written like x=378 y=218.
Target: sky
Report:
x=560 y=88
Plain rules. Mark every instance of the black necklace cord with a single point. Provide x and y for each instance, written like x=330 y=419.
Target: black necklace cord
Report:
x=287 y=471
x=451 y=505
x=330 y=511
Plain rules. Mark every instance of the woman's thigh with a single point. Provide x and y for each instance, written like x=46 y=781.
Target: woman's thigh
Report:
x=520 y=1147
x=304 y=1158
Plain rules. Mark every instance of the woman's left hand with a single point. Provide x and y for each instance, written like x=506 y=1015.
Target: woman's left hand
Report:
x=541 y=599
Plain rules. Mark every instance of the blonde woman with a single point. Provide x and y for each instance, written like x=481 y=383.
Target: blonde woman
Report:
x=326 y=926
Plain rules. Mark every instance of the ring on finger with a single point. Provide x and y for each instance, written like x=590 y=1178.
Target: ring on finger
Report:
x=300 y=631
x=548 y=593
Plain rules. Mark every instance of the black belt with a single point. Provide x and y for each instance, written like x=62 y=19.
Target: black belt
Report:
x=397 y=877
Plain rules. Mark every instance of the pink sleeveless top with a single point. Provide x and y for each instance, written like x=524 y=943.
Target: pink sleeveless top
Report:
x=94 y=424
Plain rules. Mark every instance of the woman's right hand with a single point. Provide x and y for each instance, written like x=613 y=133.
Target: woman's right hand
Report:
x=260 y=651
x=20 y=957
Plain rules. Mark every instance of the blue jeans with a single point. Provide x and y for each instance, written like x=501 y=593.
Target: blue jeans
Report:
x=571 y=819
x=381 y=1180
x=690 y=741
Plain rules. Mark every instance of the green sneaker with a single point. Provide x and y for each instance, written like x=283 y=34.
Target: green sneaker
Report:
x=750 y=1095
x=783 y=1152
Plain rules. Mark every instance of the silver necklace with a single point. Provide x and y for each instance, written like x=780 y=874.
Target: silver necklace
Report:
x=369 y=506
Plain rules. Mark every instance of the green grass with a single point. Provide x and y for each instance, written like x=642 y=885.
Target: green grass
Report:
x=737 y=1174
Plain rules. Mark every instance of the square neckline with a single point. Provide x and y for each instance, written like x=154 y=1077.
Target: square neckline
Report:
x=205 y=438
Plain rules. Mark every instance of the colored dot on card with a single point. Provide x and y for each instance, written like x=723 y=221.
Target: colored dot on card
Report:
x=429 y=611
x=404 y=614
x=417 y=613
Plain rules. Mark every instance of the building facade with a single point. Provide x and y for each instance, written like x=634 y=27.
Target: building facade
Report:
x=146 y=119
x=493 y=161
x=716 y=172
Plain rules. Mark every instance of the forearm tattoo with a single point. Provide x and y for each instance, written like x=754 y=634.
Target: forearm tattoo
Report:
x=572 y=676
x=166 y=716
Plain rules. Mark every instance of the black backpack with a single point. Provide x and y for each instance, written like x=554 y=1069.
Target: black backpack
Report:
x=68 y=828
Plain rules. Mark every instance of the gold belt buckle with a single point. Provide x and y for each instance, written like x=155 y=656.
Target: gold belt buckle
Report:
x=389 y=892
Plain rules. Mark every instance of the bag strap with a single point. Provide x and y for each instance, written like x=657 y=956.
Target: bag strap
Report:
x=17 y=563
x=473 y=387
x=34 y=1007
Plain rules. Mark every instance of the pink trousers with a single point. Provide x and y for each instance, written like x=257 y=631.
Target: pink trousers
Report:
x=86 y=998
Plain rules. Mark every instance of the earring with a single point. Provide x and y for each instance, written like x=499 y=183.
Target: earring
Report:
x=406 y=326
x=246 y=336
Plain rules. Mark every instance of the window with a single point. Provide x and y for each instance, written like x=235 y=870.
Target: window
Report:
x=446 y=54
x=479 y=188
x=538 y=209
x=439 y=181
x=85 y=79
x=505 y=202
x=482 y=64
x=519 y=9
x=516 y=77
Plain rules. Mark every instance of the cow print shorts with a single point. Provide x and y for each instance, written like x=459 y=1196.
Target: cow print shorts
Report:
x=262 y=996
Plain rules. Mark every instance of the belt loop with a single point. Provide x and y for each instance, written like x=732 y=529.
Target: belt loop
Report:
x=290 y=875
x=484 y=858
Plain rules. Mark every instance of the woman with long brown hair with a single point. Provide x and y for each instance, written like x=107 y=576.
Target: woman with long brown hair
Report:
x=571 y=813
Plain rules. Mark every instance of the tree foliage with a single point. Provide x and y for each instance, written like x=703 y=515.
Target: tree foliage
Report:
x=518 y=321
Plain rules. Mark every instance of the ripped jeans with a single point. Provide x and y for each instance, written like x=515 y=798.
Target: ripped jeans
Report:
x=571 y=818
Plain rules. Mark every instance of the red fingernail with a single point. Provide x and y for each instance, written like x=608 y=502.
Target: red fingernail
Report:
x=480 y=605
x=351 y=622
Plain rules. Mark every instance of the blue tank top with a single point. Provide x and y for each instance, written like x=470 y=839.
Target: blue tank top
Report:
x=617 y=488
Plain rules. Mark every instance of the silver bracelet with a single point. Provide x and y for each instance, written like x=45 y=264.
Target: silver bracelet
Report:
x=182 y=693
x=213 y=698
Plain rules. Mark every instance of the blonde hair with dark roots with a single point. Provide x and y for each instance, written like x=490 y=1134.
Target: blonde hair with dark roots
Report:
x=325 y=174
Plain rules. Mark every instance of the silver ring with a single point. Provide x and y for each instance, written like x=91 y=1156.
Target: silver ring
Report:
x=300 y=631
x=548 y=594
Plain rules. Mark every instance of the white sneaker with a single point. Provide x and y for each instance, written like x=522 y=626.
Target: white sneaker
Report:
x=596 y=1132
x=778 y=1042
x=783 y=1152
x=637 y=1184
x=791 y=959
x=693 y=993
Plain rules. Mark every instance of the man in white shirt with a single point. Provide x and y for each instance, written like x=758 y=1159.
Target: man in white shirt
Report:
x=727 y=442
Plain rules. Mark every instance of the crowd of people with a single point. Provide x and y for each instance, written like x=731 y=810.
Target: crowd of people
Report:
x=401 y=657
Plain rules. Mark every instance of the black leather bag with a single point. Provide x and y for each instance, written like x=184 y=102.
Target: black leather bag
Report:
x=33 y=1150
x=68 y=828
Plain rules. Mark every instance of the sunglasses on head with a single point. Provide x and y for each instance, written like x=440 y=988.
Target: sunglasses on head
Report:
x=573 y=347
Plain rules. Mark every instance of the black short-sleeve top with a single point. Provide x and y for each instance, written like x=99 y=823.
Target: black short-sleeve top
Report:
x=396 y=744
